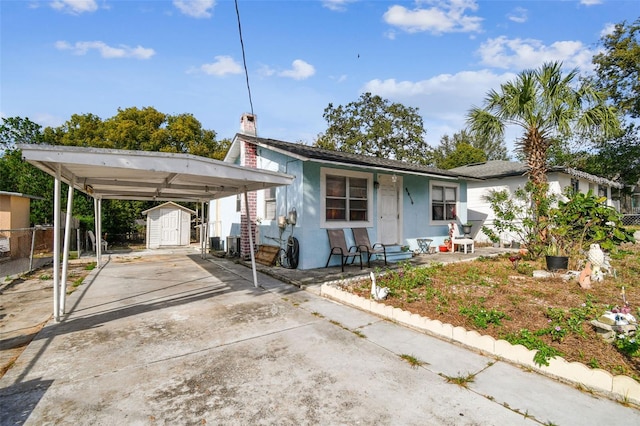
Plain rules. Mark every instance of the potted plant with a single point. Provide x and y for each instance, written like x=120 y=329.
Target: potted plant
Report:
x=555 y=258
x=466 y=229
x=558 y=248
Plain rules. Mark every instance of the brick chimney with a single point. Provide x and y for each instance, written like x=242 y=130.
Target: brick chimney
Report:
x=248 y=158
x=248 y=124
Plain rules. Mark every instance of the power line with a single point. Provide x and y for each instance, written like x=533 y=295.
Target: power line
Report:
x=244 y=59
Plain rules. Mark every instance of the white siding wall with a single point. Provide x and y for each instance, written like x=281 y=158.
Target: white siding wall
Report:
x=185 y=228
x=153 y=229
x=478 y=207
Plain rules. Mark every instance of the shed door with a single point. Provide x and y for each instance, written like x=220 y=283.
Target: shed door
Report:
x=389 y=220
x=169 y=224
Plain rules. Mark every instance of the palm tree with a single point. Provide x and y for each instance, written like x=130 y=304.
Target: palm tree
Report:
x=546 y=105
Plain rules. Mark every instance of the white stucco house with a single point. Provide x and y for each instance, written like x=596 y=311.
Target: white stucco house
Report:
x=510 y=175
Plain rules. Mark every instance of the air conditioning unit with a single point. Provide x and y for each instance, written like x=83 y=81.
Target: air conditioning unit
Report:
x=233 y=245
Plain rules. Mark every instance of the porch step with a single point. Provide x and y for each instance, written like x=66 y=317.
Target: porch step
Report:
x=395 y=254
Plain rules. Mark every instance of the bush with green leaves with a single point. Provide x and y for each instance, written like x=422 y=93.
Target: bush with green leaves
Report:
x=575 y=223
x=523 y=214
x=585 y=219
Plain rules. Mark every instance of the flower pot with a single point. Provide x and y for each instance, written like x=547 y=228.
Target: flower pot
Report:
x=466 y=230
x=557 y=263
x=444 y=248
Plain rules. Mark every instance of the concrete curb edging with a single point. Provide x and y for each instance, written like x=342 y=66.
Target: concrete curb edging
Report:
x=620 y=388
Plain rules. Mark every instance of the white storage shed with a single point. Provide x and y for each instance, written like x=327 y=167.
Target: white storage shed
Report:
x=168 y=224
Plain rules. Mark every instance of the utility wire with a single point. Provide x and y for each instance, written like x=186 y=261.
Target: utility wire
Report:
x=244 y=59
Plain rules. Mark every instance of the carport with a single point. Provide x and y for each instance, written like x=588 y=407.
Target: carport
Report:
x=138 y=175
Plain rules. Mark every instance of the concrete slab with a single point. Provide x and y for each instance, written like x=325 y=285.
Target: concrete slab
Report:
x=436 y=354
x=548 y=401
x=175 y=339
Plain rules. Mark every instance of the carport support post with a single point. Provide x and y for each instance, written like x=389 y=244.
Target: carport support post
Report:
x=67 y=243
x=203 y=237
x=97 y=204
x=56 y=246
x=253 y=257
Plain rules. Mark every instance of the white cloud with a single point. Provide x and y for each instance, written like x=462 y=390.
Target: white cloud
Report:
x=518 y=54
x=443 y=17
x=300 y=70
x=74 y=7
x=266 y=71
x=519 y=15
x=195 y=8
x=608 y=30
x=222 y=66
x=442 y=100
x=106 y=51
x=336 y=5
x=590 y=2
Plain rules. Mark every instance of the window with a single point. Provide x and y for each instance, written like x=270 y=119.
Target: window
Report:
x=346 y=197
x=602 y=191
x=238 y=202
x=575 y=185
x=443 y=202
x=270 y=204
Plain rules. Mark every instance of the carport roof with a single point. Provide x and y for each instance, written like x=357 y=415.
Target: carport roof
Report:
x=143 y=175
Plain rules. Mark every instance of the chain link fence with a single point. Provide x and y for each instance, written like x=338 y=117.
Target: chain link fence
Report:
x=23 y=250
x=631 y=219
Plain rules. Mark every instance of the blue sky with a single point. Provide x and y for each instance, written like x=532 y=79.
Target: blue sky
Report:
x=66 y=57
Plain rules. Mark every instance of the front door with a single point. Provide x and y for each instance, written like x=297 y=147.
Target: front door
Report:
x=389 y=218
x=169 y=227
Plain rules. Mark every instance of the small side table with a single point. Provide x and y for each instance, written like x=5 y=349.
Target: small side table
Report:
x=423 y=245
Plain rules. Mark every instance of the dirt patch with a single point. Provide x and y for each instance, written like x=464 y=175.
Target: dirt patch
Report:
x=491 y=296
x=26 y=306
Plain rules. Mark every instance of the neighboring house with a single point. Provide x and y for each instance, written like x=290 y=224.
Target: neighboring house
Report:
x=168 y=224
x=397 y=202
x=510 y=175
x=15 y=209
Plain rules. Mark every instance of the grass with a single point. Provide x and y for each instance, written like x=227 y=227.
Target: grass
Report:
x=550 y=315
x=412 y=360
x=463 y=380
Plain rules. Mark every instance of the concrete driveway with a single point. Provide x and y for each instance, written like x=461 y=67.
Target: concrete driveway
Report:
x=174 y=339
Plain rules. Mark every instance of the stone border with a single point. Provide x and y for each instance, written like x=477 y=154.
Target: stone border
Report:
x=620 y=388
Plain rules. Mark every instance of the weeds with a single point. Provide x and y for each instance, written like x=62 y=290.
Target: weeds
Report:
x=482 y=317
x=530 y=341
x=460 y=380
x=412 y=360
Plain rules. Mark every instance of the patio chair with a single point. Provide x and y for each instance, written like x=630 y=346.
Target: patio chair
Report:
x=338 y=246
x=92 y=237
x=457 y=239
x=361 y=236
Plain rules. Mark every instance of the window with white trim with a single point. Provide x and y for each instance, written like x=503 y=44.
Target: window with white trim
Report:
x=270 y=203
x=602 y=191
x=575 y=185
x=444 y=199
x=346 y=198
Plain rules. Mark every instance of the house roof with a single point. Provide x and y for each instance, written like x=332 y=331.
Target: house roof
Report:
x=495 y=169
x=169 y=204
x=143 y=175
x=307 y=152
x=18 y=194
